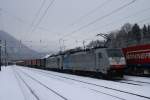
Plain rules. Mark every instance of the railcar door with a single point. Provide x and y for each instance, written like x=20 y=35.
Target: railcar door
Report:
x=100 y=62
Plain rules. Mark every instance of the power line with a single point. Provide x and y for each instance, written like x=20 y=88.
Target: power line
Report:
x=114 y=22
x=102 y=17
x=23 y=21
x=37 y=13
x=92 y=11
x=98 y=19
x=143 y=20
x=45 y=12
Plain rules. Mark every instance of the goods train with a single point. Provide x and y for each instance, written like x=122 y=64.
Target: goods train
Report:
x=107 y=62
x=138 y=59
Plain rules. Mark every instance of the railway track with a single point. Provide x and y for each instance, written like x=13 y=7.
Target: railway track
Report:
x=37 y=81
x=97 y=91
x=137 y=81
x=126 y=82
x=97 y=85
x=29 y=88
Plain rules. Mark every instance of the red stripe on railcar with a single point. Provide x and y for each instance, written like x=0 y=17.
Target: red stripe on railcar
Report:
x=117 y=66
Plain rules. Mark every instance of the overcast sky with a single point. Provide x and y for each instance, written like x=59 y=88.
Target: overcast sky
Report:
x=70 y=20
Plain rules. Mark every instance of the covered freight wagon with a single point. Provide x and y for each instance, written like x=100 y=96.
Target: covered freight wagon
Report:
x=138 y=59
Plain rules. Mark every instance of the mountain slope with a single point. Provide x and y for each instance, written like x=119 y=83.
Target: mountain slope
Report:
x=15 y=49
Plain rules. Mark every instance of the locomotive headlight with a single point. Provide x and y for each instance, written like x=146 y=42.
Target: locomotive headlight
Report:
x=122 y=60
x=116 y=61
x=112 y=61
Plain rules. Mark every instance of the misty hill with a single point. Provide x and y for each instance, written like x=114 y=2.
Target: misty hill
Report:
x=15 y=49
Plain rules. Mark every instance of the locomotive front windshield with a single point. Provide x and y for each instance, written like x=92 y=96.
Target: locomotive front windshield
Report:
x=114 y=53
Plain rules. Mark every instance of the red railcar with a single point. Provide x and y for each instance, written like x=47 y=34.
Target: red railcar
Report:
x=38 y=62
x=138 y=59
x=33 y=64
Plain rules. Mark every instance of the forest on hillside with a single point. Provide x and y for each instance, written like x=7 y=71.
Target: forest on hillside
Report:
x=127 y=35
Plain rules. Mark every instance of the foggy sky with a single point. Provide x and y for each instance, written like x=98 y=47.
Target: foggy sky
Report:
x=63 y=17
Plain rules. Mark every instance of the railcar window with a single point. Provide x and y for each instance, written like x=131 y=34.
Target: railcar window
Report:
x=114 y=53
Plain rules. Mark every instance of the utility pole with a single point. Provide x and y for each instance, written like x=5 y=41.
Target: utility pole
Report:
x=63 y=44
x=5 y=54
x=84 y=44
x=76 y=41
x=0 y=55
x=60 y=44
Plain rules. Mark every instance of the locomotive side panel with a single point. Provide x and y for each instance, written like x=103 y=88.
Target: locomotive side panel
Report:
x=83 y=61
x=102 y=63
x=51 y=62
x=54 y=62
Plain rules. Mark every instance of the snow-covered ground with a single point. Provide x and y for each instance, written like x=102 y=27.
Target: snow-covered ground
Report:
x=21 y=83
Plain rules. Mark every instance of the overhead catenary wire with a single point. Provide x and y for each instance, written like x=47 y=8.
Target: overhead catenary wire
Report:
x=31 y=44
x=43 y=15
x=143 y=20
x=101 y=18
x=121 y=19
x=37 y=13
x=24 y=22
x=91 y=12
x=140 y=21
x=20 y=20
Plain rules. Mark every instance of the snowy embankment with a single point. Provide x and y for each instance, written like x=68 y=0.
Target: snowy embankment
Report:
x=34 y=84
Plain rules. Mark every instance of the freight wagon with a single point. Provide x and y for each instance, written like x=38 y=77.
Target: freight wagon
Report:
x=138 y=59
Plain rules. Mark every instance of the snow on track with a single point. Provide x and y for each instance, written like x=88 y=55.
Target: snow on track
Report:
x=9 y=87
x=137 y=79
x=18 y=77
x=120 y=90
x=21 y=83
x=39 y=91
x=71 y=92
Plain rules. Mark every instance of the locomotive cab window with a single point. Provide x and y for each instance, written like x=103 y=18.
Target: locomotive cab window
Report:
x=114 y=53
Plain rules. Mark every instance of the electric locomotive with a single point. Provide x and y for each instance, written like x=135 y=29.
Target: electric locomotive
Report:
x=105 y=61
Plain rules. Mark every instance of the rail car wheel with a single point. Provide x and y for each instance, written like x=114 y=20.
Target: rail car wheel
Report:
x=61 y=68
